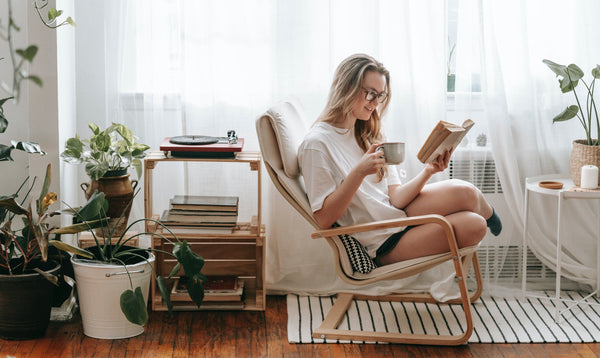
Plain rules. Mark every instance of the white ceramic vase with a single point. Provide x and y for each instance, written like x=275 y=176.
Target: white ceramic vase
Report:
x=99 y=288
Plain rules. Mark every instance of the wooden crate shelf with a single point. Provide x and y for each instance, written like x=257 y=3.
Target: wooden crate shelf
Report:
x=240 y=253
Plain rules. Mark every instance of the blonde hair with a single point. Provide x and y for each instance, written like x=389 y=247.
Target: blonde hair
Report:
x=346 y=85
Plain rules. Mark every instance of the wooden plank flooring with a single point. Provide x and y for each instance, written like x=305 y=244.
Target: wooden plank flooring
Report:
x=249 y=334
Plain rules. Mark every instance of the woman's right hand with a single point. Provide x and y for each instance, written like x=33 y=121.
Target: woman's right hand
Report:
x=371 y=161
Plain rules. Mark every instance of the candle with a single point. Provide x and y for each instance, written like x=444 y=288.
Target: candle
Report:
x=589 y=177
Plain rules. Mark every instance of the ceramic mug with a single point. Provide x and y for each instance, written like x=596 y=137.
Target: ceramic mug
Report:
x=393 y=152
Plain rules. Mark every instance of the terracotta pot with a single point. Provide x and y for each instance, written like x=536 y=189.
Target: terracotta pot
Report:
x=118 y=190
x=583 y=154
x=25 y=303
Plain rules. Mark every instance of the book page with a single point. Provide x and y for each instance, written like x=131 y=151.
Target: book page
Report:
x=444 y=137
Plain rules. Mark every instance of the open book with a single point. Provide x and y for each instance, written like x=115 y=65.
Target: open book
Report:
x=445 y=136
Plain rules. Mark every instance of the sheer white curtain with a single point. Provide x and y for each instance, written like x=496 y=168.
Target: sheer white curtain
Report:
x=520 y=98
x=170 y=67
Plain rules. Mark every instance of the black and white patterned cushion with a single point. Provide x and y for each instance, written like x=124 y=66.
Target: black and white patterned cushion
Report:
x=359 y=259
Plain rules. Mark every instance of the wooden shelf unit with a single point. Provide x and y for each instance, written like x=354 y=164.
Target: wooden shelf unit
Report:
x=240 y=253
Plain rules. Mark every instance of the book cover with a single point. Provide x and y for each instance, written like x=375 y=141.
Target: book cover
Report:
x=445 y=136
x=202 y=212
x=198 y=219
x=204 y=203
x=199 y=230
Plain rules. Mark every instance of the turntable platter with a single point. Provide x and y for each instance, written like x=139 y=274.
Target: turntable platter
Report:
x=193 y=140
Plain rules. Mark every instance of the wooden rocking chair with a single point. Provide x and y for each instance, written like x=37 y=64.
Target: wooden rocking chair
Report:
x=280 y=131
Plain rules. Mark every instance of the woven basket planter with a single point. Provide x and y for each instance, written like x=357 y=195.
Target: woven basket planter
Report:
x=583 y=154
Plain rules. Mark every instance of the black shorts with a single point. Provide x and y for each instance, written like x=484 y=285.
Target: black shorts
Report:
x=389 y=244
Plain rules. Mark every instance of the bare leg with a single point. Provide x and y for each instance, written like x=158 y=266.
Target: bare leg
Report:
x=459 y=202
x=448 y=197
x=430 y=239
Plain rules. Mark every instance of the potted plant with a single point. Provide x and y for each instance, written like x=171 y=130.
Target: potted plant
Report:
x=107 y=155
x=113 y=279
x=585 y=151
x=27 y=276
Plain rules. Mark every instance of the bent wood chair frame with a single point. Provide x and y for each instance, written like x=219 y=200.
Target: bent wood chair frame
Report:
x=461 y=258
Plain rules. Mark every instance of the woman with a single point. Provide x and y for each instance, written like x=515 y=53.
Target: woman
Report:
x=348 y=183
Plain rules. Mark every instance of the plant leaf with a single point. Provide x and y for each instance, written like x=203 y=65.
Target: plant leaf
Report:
x=95 y=129
x=192 y=264
x=567 y=114
x=134 y=307
x=51 y=278
x=96 y=170
x=29 y=53
x=596 y=71
x=45 y=187
x=9 y=203
x=3 y=122
x=164 y=292
x=559 y=70
x=28 y=147
x=5 y=152
x=69 y=248
x=85 y=226
x=566 y=85
x=575 y=73
x=35 y=79
x=95 y=208
x=175 y=270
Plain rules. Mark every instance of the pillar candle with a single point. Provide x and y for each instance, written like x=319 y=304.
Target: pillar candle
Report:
x=589 y=177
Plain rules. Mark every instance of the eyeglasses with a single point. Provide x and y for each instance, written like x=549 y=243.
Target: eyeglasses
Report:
x=371 y=95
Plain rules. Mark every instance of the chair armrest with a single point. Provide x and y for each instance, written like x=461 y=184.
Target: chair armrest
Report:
x=385 y=224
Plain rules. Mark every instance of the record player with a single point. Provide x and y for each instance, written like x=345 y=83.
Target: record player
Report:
x=202 y=146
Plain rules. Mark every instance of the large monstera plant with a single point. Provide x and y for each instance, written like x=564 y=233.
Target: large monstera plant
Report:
x=569 y=77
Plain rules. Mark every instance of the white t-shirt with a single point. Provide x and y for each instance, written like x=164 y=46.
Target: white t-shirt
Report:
x=326 y=157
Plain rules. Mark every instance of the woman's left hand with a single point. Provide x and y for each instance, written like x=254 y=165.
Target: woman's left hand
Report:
x=441 y=163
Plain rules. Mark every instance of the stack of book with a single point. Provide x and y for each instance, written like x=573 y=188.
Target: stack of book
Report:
x=220 y=292
x=201 y=214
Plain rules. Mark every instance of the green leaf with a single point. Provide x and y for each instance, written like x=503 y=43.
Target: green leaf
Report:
x=134 y=306
x=69 y=248
x=28 y=147
x=192 y=264
x=95 y=208
x=596 y=71
x=3 y=100
x=5 y=153
x=124 y=132
x=96 y=170
x=137 y=164
x=567 y=114
x=9 y=203
x=559 y=70
x=3 y=122
x=71 y=22
x=566 y=85
x=575 y=73
x=95 y=129
x=29 y=53
x=175 y=270
x=164 y=292
x=35 y=79
x=81 y=227
x=53 y=13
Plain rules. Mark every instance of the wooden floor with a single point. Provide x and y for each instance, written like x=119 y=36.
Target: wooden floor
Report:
x=249 y=334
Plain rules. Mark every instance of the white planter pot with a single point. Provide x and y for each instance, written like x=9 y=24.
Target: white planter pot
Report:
x=99 y=288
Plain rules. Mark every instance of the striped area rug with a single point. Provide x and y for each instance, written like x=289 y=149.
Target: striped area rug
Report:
x=495 y=320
